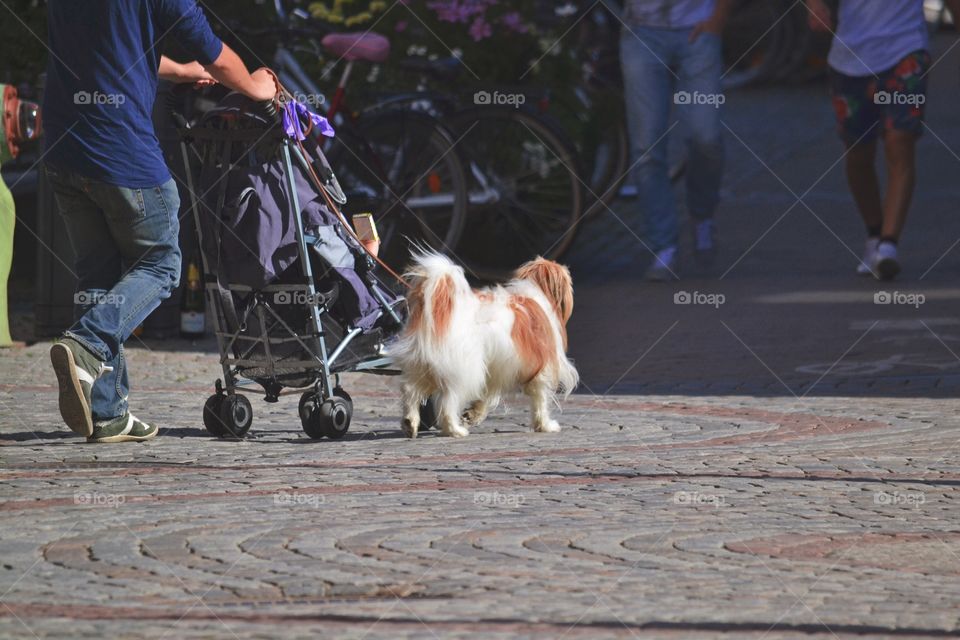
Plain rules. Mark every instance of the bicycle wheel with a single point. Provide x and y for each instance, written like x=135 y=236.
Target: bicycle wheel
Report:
x=610 y=169
x=401 y=167
x=526 y=198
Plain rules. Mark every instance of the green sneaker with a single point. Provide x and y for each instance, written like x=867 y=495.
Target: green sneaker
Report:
x=126 y=428
x=77 y=369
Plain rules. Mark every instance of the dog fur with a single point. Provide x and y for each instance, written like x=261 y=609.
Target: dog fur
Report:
x=466 y=347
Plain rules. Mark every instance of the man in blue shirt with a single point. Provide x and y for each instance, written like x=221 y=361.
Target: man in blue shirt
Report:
x=118 y=200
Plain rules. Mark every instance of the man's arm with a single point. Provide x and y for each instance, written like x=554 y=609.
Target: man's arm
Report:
x=179 y=72
x=186 y=22
x=228 y=69
x=716 y=22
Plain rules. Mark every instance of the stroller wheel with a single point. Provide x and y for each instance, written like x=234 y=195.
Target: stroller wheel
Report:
x=306 y=407
x=335 y=415
x=338 y=391
x=211 y=414
x=331 y=418
x=428 y=414
x=236 y=416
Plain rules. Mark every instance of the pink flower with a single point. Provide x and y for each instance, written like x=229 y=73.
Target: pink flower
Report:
x=514 y=22
x=480 y=29
x=460 y=10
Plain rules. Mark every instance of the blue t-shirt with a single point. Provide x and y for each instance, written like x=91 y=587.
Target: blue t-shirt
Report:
x=102 y=83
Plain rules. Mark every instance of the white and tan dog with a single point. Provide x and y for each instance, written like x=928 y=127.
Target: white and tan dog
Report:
x=467 y=348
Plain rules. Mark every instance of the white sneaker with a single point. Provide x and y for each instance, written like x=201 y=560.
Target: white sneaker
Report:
x=865 y=268
x=886 y=264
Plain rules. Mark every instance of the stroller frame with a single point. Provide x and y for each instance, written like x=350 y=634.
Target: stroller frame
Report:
x=325 y=409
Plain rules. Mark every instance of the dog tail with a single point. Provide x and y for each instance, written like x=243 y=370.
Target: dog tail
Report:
x=436 y=282
x=568 y=377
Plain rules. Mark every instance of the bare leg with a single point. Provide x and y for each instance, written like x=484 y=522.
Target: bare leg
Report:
x=411 y=410
x=864 y=184
x=540 y=395
x=450 y=408
x=899 y=148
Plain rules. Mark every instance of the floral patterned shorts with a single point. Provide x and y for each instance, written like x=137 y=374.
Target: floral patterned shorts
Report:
x=893 y=100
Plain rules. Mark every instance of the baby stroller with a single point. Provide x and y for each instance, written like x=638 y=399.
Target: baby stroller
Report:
x=296 y=298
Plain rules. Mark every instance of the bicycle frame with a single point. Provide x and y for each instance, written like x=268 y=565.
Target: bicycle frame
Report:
x=295 y=79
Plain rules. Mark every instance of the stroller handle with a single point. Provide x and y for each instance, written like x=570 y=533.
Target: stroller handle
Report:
x=179 y=96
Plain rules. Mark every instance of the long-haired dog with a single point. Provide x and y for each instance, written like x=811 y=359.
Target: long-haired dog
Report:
x=467 y=348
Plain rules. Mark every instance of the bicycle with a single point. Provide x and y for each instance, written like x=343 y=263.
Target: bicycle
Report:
x=523 y=197
x=526 y=197
x=397 y=164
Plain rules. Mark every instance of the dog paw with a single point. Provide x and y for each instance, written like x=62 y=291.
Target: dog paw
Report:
x=409 y=428
x=550 y=426
x=472 y=417
x=457 y=431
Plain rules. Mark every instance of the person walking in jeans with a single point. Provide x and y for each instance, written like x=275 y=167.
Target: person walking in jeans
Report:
x=117 y=198
x=671 y=58
x=878 y=76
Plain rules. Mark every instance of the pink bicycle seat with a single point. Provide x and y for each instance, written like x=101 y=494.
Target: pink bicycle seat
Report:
x=371 y=47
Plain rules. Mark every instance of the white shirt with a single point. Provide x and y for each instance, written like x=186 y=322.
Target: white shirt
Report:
x=669 y=14
x=874 y=35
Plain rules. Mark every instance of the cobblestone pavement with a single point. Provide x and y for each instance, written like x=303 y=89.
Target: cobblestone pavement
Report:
x=783 y=466
x=651 y=517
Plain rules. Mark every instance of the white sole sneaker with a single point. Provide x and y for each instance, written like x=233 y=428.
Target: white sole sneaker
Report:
x=74 y=408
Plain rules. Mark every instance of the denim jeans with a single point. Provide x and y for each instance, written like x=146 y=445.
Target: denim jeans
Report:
x=127 y=260
x=662 y=69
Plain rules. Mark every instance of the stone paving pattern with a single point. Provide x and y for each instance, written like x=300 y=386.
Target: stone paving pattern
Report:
x=785 y=466
x=668 y=517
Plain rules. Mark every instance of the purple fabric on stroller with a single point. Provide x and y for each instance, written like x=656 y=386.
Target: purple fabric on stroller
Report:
x=252 y=239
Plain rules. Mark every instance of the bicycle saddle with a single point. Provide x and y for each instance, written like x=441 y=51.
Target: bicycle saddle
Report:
x=371 y=47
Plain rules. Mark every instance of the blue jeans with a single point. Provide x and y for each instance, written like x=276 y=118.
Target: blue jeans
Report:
x=127 y=260
x=661 y=68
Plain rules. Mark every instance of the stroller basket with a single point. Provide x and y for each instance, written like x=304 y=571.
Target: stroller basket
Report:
x=295 y=298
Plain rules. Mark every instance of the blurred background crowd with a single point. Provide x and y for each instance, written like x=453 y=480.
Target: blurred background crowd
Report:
x=516 y=111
